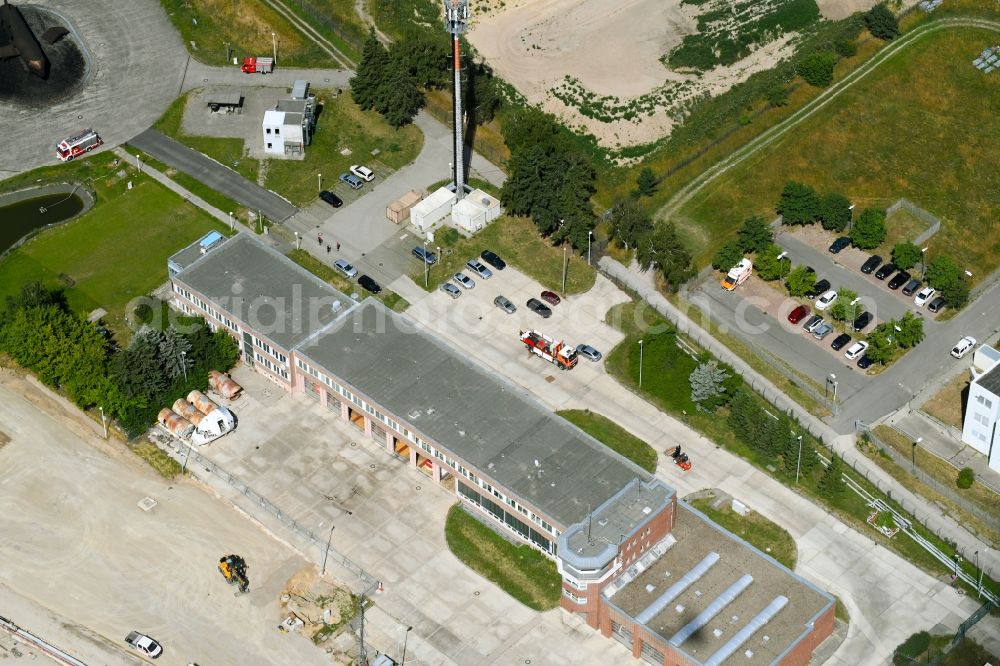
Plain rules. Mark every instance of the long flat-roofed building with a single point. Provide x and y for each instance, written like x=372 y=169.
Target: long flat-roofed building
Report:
x=619 y=537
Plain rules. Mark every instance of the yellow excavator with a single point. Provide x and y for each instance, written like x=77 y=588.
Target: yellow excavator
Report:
x=234 y=570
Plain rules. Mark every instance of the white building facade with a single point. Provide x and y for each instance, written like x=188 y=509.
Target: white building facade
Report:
x=983 y=409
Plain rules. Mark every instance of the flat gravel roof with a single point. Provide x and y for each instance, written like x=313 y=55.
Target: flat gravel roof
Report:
x=472 y=411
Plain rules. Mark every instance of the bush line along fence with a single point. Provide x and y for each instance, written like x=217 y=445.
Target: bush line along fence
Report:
x=824 y=435
x=991 y=519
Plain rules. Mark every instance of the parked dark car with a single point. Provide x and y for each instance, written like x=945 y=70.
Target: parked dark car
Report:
x=911 y=287
x=424 y=255
x=840 y=341
x=871 y=264
x=369 y=284
x=886 y=270
x=551 y=297
x=813 y=323
x=822 y=286
x=865 y=362
x=840 y=244
x=899 y=279
x=331 y=198
x=937 y=304
x=539 y=308
x=863 y=320
x=493 y=259
x=796 y=315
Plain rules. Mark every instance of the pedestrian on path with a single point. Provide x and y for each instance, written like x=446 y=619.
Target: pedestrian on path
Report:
x=338 y=246
x=328 y=249
x=319 y=239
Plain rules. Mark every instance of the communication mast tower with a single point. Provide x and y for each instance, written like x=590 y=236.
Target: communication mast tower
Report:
x=456 y=18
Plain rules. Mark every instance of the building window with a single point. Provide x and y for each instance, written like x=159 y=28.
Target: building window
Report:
x=277 y=130
x=268 y=144
x=267 y=131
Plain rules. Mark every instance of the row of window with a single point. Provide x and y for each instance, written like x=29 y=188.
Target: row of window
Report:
x=273 y=367
x=507 y=518
x=983 y=400
x=572 y=597
x=204 y=306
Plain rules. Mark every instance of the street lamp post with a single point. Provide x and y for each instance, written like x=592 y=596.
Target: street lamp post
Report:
x=184 y=365
x=923 y=263
x=297 y=243
x=319 y=182
x=406 y=636
x=640 y=363
x=590 y=236
x=326 y=553
x=850 y=220
x=425 y=263
x=913 y=461
x=104 y=422
x=274 y=47
x=781 y=267
x=232 y=225
x=798 y=465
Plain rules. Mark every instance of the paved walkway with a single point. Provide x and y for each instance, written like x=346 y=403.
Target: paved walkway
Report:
x=213 y=174
x=931 y=515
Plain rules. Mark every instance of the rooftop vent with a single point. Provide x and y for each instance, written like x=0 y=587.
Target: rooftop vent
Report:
x=602 y=522
x=646 y=510
x=748 y=654
x=679 y=608
x=650 y=588
x=717 y=632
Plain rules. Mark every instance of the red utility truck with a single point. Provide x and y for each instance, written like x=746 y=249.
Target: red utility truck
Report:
x=255 y=65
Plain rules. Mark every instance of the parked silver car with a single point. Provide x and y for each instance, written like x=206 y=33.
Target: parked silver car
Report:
x=345 y=268
x=504 y=304
x=479 y=268
x=451 y=290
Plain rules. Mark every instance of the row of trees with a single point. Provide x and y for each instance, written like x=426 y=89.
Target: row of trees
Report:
x=392 y=81
x=817 y=68
x=40 y=332
x=894 y=334
x=656 y=245
x=800 y=204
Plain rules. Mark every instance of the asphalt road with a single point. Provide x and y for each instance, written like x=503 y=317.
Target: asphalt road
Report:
x=136 y=65
x=214 y=175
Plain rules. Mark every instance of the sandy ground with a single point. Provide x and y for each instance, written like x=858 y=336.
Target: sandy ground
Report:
x=613 y=50
x=76 y=543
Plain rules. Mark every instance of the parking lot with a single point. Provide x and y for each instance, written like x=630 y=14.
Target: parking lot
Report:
x=389 y=518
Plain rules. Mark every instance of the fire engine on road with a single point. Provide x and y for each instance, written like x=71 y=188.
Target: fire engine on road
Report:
x=558 y=353
x=77 y=145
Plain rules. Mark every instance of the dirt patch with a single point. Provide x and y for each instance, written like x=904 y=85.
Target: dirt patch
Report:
x=322 y=606
x=575 y=48
x=838 y=9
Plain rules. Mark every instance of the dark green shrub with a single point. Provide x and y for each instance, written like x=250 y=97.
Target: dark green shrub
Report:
x=965 y=478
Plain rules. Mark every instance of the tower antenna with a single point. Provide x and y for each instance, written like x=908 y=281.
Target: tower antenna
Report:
x=456 y=18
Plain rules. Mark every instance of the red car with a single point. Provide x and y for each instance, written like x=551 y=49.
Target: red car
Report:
x=798 y=314
x=551 y=297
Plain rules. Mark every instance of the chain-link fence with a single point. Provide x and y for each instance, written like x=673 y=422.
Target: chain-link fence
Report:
x=933 y=222
x=990 y=518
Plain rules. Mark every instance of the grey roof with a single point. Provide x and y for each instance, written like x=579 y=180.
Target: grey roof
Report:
x=590 y=545
x=472 y=411
x=697 y=538
x=991 y=380
x=291 y=105
x=265 y=290
x=193 y=252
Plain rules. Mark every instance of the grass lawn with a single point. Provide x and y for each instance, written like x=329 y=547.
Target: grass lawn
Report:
x=612 y=435
x=246 y=26
x=901 y=226
x=337 y=20
x=391 y=299
x=343 y=125
x=924 y=648
x=520 y=571
x=948 y=404
x=166 y=466
x=517 y=241
x=114 y=253
x=916 y=128
x=754 y=529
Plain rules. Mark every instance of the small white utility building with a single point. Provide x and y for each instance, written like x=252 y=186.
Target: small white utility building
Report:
x=432 y=210
x=475 y=211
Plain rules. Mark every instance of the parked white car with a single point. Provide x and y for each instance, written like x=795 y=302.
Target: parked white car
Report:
x=924 y=295
x=363 y=172
x=963 y=346
x=826 y=300
x=856 y=350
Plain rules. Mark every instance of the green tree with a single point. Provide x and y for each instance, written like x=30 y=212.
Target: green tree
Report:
x=174 y=350
x=800 y=281
x=831 y=484
x=881 y=343
x=911 y=330
x=798 y=204
x=728 y=255
x=707 y=383
x=662 y=248
x=869 y=230
x=628 y=223
x=646 y=183
x=755 y=235
x=842 y=310
x=768 y=266
x=845 y=48
x=427 y=55
x=398 y=98
x=945 y=275
x=965 y=478
x=35 y=294
x=835 y=211
x=817 y=69
x=777 y=95
x=790 y=455
x=905 y=255
x=371 y=72
x=882 y=23
x=484 y=97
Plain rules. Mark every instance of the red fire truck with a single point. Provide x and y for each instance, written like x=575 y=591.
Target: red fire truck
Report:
x=77 y=145
x=556 y=352
x=257 y=65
